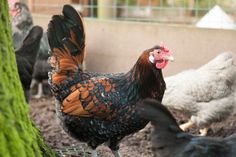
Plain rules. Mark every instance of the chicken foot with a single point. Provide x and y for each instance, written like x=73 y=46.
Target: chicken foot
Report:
x=203 y=132
x=189 y=124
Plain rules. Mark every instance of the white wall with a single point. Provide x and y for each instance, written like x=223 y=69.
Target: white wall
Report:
x=115 y=46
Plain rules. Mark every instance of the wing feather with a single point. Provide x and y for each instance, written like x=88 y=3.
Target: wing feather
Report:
x=88 y=99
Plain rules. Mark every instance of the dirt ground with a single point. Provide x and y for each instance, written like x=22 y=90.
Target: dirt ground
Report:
x=136 y=145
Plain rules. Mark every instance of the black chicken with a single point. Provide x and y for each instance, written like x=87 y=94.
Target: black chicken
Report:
x=94 y=107
x=168 y=140
x=26 y=56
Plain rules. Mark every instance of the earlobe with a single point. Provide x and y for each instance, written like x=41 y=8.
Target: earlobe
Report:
x=151 y=59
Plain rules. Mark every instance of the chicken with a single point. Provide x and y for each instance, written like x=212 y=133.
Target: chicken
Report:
x=21 y=23
x=206 y=94
x=26 y=56
x=99 y=108
x=168 y=140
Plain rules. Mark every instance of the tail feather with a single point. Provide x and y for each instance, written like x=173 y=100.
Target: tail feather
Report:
x=167 y=137
x=221 y=62
x=158 y=114
x=31 y=43
x=66 y=38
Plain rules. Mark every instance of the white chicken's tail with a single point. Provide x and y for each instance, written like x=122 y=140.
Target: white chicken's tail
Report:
x=220 y=62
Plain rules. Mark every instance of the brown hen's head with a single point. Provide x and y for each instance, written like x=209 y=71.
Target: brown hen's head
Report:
x=160 y=56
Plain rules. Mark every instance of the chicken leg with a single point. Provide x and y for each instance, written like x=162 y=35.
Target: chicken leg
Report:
x=40 y=91
x=186 y=125
x=33 y=83
x=116 y=153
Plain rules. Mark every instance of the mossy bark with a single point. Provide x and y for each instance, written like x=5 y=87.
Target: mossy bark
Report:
x=18 y=135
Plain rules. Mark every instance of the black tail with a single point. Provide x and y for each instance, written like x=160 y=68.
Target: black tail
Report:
x=44 y=48
x=31 y=44
x=167 y=135
x=66 y=38
x=67 y=30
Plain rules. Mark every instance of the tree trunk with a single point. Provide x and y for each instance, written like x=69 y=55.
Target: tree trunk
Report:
x=18 y=135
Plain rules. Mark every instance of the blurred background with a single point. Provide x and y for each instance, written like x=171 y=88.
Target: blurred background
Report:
x=119 y=30
x=163 y=11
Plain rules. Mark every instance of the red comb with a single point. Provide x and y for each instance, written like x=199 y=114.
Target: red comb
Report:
x=164 y=47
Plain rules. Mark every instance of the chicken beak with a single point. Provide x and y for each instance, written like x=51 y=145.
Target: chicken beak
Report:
x=169 y=58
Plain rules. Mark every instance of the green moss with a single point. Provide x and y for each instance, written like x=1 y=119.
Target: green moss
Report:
x=18 y=135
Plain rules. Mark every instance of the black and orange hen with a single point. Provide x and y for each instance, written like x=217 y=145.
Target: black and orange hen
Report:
x=99 y=108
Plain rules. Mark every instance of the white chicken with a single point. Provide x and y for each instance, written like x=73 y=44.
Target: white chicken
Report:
x=206 y=94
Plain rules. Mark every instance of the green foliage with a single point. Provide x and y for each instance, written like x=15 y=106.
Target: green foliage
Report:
x=205 y=4
x=127 y=2
x=18 y=136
